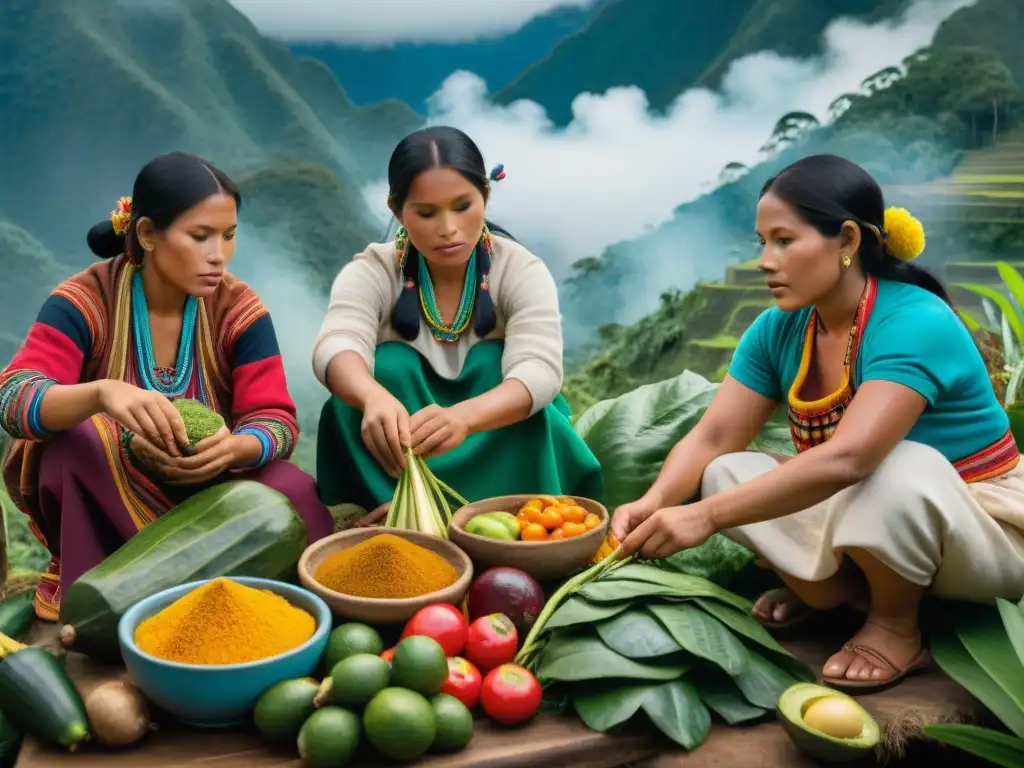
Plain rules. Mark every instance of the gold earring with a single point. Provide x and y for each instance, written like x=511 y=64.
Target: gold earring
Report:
x=847 y=261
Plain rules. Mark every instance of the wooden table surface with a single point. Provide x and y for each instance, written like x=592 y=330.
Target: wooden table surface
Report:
x=549 y=742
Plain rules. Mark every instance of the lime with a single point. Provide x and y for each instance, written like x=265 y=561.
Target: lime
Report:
x=507 y=519
x=453 y=721
x=419 y=664
x=358 y=678
x=350 y=638
x=399 y=723
x=281 y=710
x=329 y=738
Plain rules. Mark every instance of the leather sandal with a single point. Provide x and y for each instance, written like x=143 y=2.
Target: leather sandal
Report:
x=920 y=663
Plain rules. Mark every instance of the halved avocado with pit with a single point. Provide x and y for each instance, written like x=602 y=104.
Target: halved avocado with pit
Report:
x=792 y=708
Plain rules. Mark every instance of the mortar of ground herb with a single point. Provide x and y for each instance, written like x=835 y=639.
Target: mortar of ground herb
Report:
x=155 y=635
x=381 y=576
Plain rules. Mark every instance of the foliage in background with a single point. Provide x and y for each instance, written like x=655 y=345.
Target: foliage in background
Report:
x=982 y=649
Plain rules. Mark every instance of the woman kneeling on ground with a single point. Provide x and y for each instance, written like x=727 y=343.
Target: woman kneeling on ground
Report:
x=99 y=450
x=906 y=479
x=447 y=341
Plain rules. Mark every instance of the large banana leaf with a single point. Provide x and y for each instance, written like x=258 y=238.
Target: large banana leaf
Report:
x=631 y=436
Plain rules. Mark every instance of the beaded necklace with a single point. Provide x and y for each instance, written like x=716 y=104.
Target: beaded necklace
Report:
x=428 y=301
x=171 y=382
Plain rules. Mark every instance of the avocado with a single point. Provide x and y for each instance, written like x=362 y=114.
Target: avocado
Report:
x=805 y=708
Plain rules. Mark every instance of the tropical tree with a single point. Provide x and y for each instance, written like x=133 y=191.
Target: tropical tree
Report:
x=881 y=80
x=988 y=87
x=732 y=172
x=790 y=127
x=839 y=107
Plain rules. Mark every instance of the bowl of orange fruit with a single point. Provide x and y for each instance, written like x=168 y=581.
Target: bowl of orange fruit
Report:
x=557 y=535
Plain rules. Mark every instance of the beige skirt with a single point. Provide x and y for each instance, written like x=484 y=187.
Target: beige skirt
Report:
x=914 y=513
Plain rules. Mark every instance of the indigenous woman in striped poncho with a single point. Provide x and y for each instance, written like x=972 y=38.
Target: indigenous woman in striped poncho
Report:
x=99 y=449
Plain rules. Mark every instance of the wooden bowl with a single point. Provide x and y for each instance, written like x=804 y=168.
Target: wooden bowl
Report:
x=378 y=610
x=544 y=560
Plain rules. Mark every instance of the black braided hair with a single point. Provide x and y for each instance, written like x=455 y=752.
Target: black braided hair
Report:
x=166 y=187
x=440 y=147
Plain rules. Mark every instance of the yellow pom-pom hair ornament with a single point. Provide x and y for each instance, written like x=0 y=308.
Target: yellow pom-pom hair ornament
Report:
x=121 y=216
x=904 y=234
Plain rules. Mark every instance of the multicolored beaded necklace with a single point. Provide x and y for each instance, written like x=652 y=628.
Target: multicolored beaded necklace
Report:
x=428 y=301
x=171 y=382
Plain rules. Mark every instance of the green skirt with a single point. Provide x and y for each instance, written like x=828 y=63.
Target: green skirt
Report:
x=542 y=454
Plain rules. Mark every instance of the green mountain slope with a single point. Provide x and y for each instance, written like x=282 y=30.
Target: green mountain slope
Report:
x=944 y=140
x=991 y=24
x=668 y=46
x=96 y=88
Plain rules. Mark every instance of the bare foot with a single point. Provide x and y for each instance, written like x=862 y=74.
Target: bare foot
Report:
x=778 y=606
x=860 y=665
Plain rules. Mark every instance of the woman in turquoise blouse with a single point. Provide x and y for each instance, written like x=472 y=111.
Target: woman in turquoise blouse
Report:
x=907 y=478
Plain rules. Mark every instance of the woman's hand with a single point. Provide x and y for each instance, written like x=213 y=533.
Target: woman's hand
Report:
x=629 y=516
x=670 y=530
x=143 y=412
x=386 y=431
x=157 y=462
x=437 y=430
x=212 y=457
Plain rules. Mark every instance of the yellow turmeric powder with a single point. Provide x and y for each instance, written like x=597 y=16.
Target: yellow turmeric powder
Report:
x=386 y=566
x=224 y=622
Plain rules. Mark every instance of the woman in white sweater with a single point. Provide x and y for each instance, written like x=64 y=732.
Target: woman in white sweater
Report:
x=449 y=341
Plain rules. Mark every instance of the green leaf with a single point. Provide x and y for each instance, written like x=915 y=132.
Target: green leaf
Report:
x=953 y=659
x=1014 y=282
x=718 y=560
x=576 y=610
x=702 y=635
x=571 y=657
x=746 y=625
x=1013 y=620
x=636 y=635
x=677 y=711
x=998 y=748
x=1001 y=301
x=602 y=707
x=762 y=682
x=721 y=695
x=985 y=638
x=678 y=584
x=619 y=591
x=632 y=434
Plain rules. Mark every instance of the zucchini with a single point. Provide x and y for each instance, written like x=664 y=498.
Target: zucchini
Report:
x=239 y=528
x=16 y=614
x=10 y=742
x=39 y=697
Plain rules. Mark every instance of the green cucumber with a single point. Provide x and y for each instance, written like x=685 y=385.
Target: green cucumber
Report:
x=238 y=528
x=10 y=742
x=39 y=697
x=16 y=614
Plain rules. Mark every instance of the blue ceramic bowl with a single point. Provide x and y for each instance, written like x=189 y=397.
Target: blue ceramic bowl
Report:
x=220 y=695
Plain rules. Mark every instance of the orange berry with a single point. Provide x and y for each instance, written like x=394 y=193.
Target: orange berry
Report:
x=573 y=529
x=556 y=535
x=533 y=504
x=523 y=520
x=592 y=521
x=574 y=514
x=546 y=501
x=534 y=532
x=568 y=501
x=533 y=514
x=551 y=518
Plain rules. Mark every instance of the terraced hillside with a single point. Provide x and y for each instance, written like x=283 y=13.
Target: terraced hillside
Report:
x=987 y=187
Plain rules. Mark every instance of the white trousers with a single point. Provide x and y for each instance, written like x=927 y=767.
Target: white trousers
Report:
x=914 y=513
